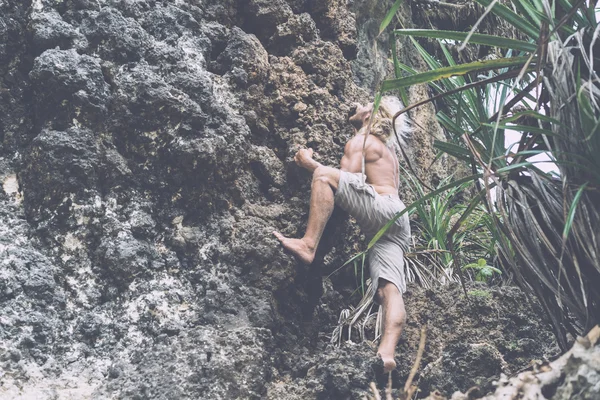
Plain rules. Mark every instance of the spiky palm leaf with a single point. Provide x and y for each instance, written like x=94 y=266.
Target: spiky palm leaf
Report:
x=550 y=224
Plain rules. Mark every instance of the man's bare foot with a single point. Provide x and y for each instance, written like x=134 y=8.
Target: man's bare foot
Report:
x=298 y=247
x=389 y=364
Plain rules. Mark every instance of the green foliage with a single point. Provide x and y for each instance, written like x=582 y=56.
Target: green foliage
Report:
x=474 y=38
x=390 y=15
x=484 y=294
x=452 y=71
x=436 y=219
x=544 y=87
x=483 y=272
x=513 y=346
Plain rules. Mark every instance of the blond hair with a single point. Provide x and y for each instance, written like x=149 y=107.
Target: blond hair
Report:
x=381 y=125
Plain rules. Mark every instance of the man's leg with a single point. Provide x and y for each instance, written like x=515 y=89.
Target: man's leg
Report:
x=394 y=316
x=325 y=181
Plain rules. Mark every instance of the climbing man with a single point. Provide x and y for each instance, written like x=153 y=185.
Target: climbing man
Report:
x=373 y=201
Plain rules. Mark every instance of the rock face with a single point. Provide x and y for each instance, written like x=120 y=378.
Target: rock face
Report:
x=146 y=155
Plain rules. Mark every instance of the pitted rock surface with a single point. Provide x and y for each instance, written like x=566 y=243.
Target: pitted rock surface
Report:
x=146 y=155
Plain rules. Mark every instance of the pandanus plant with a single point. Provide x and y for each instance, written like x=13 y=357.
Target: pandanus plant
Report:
x=543 y=84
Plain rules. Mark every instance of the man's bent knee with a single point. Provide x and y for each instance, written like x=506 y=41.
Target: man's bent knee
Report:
x=327 y=175
x=320 y=171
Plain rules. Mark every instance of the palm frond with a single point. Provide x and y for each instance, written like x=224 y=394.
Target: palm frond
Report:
x=547 y=225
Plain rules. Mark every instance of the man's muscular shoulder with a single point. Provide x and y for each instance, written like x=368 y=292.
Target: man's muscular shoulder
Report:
x=354 y=145
x=358 y=141
x=373 y=146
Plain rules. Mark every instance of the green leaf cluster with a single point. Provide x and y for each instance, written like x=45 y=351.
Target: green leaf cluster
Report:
x=484 y=272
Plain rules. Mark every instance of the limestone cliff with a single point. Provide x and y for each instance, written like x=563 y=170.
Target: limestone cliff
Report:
x=146 y=154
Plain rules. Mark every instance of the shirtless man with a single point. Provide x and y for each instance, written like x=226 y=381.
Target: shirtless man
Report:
x=373 y=202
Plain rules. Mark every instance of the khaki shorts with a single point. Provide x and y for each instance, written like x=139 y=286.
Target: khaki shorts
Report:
x=373 y=211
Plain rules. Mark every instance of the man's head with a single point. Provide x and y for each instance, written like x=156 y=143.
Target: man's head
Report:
x=361 y=116
x=381 y=126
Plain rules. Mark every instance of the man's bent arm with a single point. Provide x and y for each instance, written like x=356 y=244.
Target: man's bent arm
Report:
x=312 y=166
x=304 y=159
